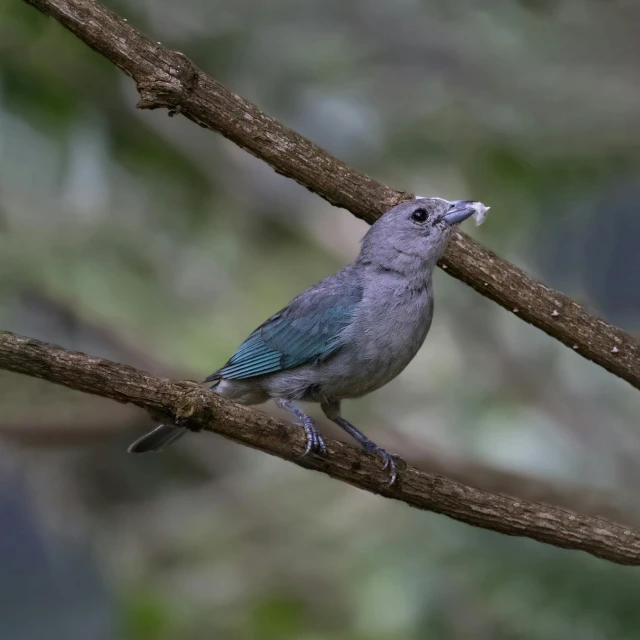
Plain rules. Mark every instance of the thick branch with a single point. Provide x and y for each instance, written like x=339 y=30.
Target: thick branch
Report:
x=168 y=79
x=188 y=404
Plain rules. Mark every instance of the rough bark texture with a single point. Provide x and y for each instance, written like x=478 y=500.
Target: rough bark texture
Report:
x=189 y=404
x=167 y=79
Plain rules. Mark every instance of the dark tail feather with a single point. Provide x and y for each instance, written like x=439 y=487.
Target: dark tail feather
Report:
x=162 y=436
x=165 y=435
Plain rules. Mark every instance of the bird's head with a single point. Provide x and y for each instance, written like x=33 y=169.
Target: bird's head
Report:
x=416 y=231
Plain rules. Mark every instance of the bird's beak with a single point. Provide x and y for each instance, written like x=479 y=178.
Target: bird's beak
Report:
x=460 y=210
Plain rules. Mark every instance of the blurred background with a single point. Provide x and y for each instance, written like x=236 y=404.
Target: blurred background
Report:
x=150 y=241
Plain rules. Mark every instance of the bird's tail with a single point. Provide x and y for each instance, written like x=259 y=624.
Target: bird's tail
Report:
x=162 y=436
x=165 y=435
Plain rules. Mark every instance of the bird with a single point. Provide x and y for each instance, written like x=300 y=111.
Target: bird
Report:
x=347 y=335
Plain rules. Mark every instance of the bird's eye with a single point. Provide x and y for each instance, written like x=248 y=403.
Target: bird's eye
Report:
x=419 y=215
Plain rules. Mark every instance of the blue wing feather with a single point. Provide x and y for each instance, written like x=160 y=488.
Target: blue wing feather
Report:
x=308 y=330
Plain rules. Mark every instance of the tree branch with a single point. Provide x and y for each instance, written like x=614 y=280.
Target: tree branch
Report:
x=167 y=79
x=188 y=404
x=44 y=426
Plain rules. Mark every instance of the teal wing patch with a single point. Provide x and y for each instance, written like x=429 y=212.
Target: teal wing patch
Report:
x=308 y=330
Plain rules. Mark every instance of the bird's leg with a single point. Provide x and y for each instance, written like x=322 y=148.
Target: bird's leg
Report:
x=315 y=443
x=332 y=411
x=389 y=459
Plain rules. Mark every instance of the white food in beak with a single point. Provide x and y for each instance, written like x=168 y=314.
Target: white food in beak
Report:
x=480 y=212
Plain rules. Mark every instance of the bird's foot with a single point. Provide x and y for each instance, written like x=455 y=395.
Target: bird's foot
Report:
x=315 y=443
x=390 y=460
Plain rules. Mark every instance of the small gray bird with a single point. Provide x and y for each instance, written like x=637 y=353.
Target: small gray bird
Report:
x=349 y=334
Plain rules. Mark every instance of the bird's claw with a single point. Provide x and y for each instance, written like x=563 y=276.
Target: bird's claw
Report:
x=315 y=443
x=390 y=461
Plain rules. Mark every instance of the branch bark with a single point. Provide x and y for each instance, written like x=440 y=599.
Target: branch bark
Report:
x=167 y=79
x=188 y=404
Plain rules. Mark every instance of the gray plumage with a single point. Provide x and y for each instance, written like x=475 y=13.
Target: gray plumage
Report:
x=347 y=335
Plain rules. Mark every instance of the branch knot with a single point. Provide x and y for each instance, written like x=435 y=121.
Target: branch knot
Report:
x=170 y=85
x=194 y=411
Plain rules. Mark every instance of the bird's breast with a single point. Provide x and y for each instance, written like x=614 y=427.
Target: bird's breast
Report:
x=383 y=338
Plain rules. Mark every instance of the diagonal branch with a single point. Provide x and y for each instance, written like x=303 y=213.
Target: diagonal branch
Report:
x=167 y=79
x=188 y=404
